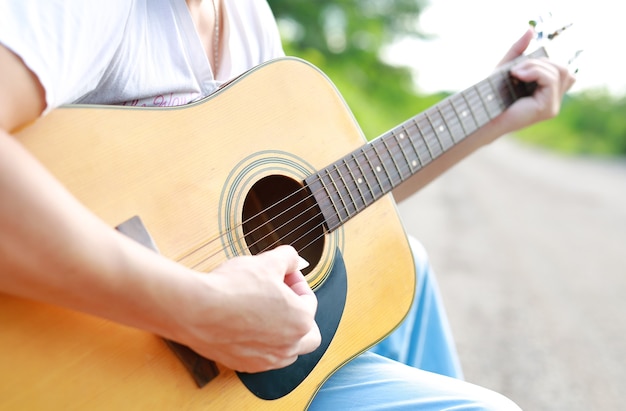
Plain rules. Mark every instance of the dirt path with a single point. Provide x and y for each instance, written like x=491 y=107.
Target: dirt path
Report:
x=530 y=251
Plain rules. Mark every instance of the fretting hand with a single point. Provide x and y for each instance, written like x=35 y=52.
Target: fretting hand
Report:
x=553 y=81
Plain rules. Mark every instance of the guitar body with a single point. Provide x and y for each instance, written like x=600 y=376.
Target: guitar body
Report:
x=187 y=173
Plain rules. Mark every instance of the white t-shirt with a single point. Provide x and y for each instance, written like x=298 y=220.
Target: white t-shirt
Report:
x=132 y=52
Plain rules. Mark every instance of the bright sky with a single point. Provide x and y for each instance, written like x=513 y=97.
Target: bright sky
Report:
x=470 y=37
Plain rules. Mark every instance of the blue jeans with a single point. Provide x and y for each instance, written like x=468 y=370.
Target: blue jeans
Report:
x=416 y=367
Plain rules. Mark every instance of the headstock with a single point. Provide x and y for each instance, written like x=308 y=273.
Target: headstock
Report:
x=565 y=50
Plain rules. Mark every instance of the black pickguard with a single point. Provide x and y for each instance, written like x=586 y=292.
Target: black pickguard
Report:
x=331 y=296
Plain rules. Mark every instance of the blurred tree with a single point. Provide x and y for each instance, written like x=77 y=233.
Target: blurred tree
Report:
x=340 y=28
x=590 y=122
x=346 y=39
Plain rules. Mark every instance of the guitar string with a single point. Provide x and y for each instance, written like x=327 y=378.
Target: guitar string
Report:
x=301 y=227
x=307 y=222
x=278 y=242
x=221 y=235
x=398 y=146
x=305 y=199
x=504 y=82
x=368 y=174
x=507 y=86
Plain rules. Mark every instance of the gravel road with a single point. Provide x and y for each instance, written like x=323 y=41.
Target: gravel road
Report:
x=530 y=252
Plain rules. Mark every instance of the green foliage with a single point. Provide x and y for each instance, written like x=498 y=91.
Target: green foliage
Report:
x=346 y=27
x=591 y=123
x=344 y=38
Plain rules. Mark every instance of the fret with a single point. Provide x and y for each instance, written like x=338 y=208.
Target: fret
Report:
x=415 y=159
x=391 y=149
x=507 y=85
x=381 y=169
x=323 y=198
x=421 y=147
x=344 y=191
x=406 y=156
x=477 y=106
x=497 y=85
x=452 y=122
x=403 y=139
x=377 y=190
x=495 y=88
x=434 y=144
x=359 y=201
x=465 y=113
x=360 y=178
x=334 y=195
x=489 y=98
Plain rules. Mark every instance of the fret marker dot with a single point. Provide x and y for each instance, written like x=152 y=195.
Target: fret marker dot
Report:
x=464 y=113
x=401 y=136
x=360 y=181
x=414 y=163
x=490 y=97
x=441 y=128
x=378 y=169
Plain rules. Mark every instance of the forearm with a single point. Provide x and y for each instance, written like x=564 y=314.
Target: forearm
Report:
x=54 y=250
x=251 y=313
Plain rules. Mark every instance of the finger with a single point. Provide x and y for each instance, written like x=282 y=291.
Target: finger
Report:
x=298 y=283
x=547 y=98
x=518 y=47
x=308 y=300
x=282 y=260
x=311 y=340
x=538 y=70
x=307 y=344
x=546 y=74
x=306 y=297
x=561 y=74
x=567 y=79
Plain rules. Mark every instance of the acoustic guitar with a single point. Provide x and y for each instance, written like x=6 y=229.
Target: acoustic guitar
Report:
x=275 y=157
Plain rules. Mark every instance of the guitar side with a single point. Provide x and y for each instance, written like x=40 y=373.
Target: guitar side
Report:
x=175 y=168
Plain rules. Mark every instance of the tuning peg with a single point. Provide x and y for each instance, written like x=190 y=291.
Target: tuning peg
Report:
x=572 y=63
x=546 y=28
x=543 y=28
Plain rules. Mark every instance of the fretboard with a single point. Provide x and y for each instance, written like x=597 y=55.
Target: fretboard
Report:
x=352 y=183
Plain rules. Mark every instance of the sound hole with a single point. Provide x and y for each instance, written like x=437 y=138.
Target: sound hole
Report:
x=279 y=210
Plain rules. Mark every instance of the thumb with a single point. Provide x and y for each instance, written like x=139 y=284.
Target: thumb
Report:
x=518 y=47
x=283 y=259
x=298 y=283
x=288 y=263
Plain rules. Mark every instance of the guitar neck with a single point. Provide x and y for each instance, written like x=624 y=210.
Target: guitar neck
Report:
x=352 y=183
